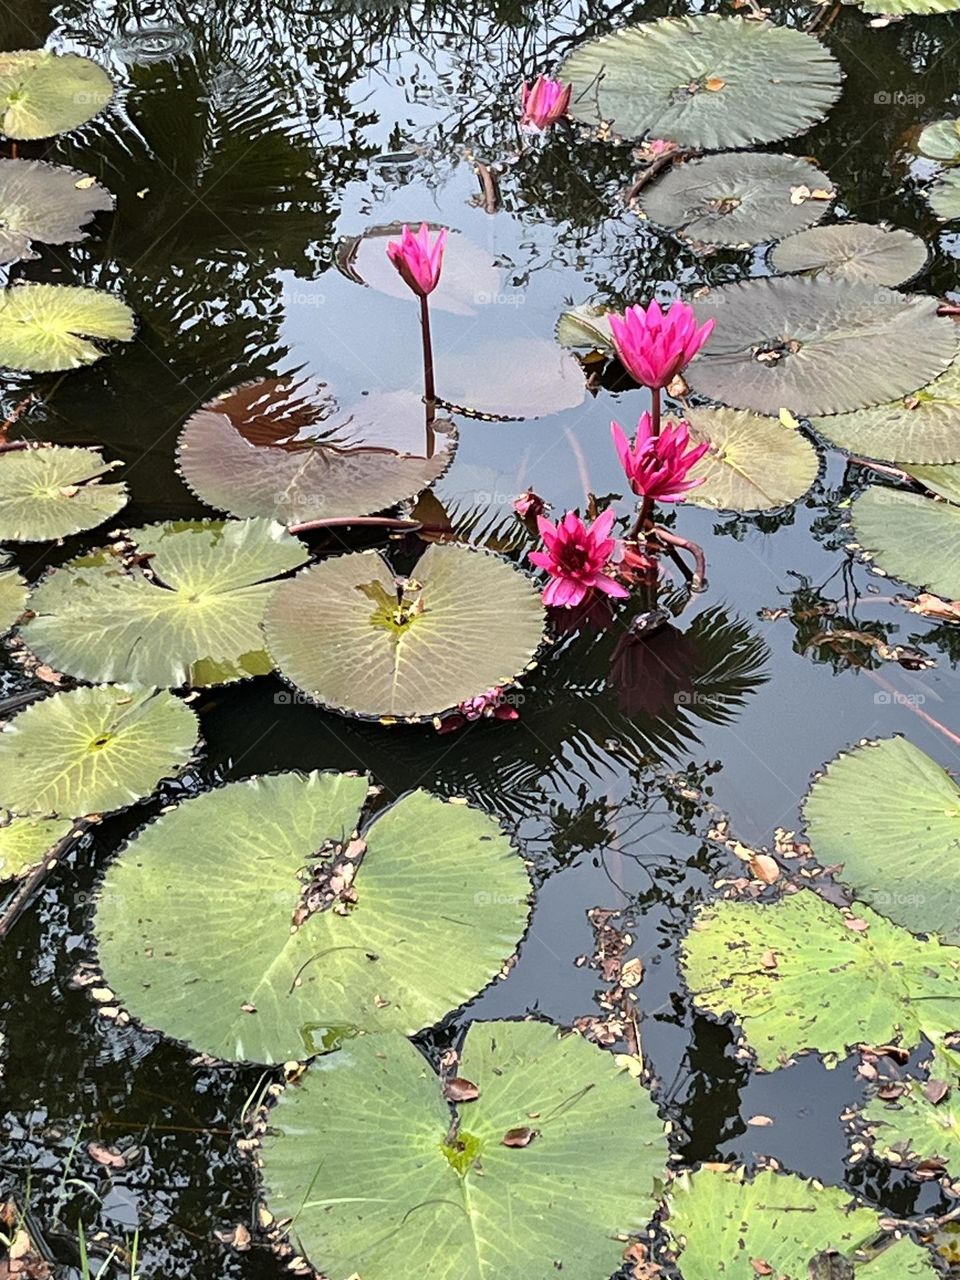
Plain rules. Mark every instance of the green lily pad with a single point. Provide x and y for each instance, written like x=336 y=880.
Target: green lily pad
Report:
x=910 y=537
x=754 y=463
x=706 y=81
x=857 y=252
x=912 y=1128
x=468 y=621
x=585 y=328
x=943 y=481
x=55 y=491
x=45 y=203
x=44 y=93
x=93 y=750
x=944 y=196
x=469 y=281
x=940 y=141
x=49 y=327
x=442 y=902
x=723 y=1223
x=891 y=817
x=513 y=378
x=921 y=428
x=813 y=998
x=377 y=1114
x=908 y=8
x=286 y=452
x=24 y=841
x=738 y=199
x=13 y=595
x=818 y=346
x=190 y=616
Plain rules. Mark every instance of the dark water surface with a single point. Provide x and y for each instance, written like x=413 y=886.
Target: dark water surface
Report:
x=246 y=139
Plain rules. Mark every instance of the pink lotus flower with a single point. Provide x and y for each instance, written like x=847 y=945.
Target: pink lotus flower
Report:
x=657 y=466
x=417 y=260
x=529 y=504
x=492 y=705
x=543 y=105
x=577 y=558
x=654 y=345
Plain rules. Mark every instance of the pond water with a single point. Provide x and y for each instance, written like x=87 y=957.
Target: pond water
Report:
x=246 y=142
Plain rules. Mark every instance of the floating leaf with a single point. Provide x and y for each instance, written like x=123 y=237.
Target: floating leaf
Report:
x=944 y=196
x=940 y=141
x=736 y=198
x=944 y=481
x=910 y=537
x=773 y=1224
x=482 y=1208
x=441 y=903
x=911 y=1129
x=899 y=8
x=585 y=328
x=43 y=93
x=13 y=595
x=818 y=346
x=44 y=203
x=857 y=252
x=284 y=451
x=754 y=463
x=24 y=841
x=814 y=998
x=468 y=621
x=47 y=327
x=193 y=617
x=55 y=491
x=921 y=428
x=516 y=378
x=891 y=817
x=93 y=750
x=470 y=277
x=651 y=79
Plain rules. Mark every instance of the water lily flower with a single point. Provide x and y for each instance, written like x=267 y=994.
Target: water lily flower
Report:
x=494 y=704
x=577 y=558
x=418 y=261
x=528 y=504
x=544 y=104
x=657 y=466
x=654 y=345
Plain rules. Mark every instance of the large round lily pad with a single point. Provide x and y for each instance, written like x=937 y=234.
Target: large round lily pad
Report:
x=941 y=140
x=921 y=1123
x=441 y=904
x=515 y=378
x=93 y=750
x=738 y=199
x=465 y=622
x=944 y=196
x=285 y=451
x=723 y=1223
x=585 y=328
x=818 y=346
x=920 y=428
x=941 y=480
x=470 y=278
x=394 y=1154
x=45 y=203
x=706 y=81
x=794 y=975
x=13 y=595
x=49 y=327
x=858 y=252
x=55 y=491
x=754 y=463
x=908 y=8
x=910 y=537
x=189 y=615
x=43 y=93
x=890 y=816
x=24 y=841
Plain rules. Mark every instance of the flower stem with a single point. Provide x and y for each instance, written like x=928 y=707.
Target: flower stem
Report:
x=699 y=580
x=429 y=389
x=655 y=410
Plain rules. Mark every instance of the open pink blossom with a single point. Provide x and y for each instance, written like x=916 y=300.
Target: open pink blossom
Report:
x=657 y=466
x=417 y=260
x=577 y=558
x=544 y=104
x=654 y=345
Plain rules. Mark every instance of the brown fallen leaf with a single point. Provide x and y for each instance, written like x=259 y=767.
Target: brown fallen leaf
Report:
x=109 y=1156
x=631 y=975
x=714 y=83
x=460 y=1090
x=769 y=960
x=239 y=1238
x=760 y=1122
x=520 y=1137
x=802 y=193
x=935 y=1091
x=760 y=1267
x=932 y=606
x=856 y=924
x=640 y=1267
x=765 y=868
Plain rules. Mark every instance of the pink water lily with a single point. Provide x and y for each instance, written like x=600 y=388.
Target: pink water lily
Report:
x=657 y=466
x=577 y=558
x=544 y=104
x=418 y=261
x=654 y=345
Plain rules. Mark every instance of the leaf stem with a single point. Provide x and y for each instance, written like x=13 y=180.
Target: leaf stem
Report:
x=381 y=522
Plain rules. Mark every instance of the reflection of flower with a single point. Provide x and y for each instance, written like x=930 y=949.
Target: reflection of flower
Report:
x=654 y=345
x=491 y=705
x=544 y=104
x=576 y=558
x=657 y=465
x=653 y=671
x=417 y=260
